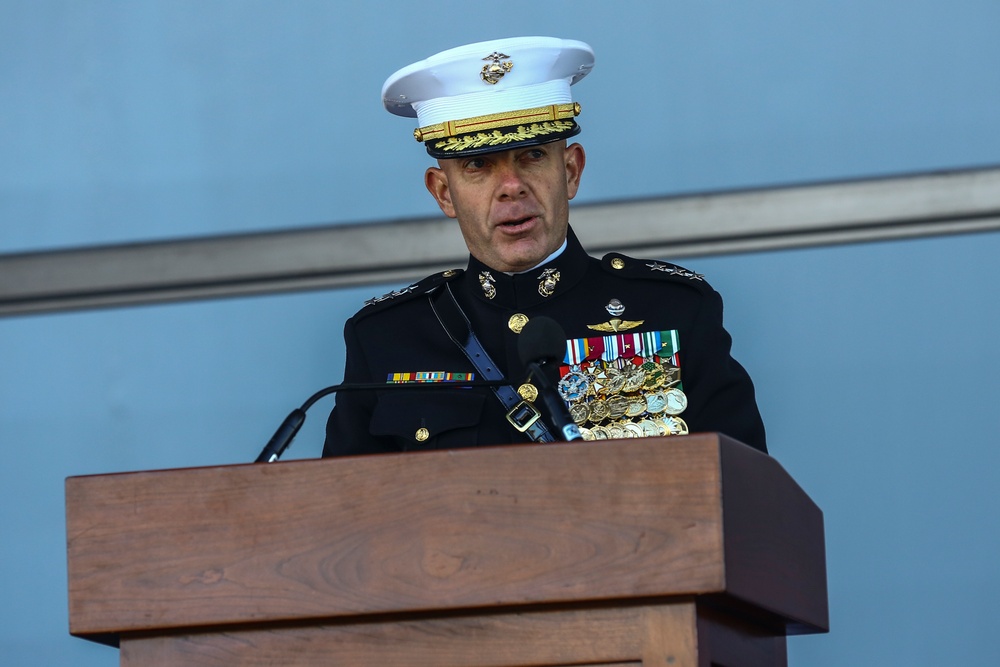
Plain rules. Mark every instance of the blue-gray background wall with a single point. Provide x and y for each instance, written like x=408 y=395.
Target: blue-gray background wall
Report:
x=875 y=363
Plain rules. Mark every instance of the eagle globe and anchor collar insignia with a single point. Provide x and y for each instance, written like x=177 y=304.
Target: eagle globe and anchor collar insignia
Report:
x=547 y=281
x=488 y=283
x=539 y=286
x=507 y=287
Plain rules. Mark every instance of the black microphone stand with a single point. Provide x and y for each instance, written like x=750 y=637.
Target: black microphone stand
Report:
x=282 y=438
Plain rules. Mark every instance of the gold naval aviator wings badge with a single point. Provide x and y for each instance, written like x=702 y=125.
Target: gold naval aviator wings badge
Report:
x=615 y=324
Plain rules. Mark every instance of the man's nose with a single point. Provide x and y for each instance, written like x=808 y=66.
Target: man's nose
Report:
x=511 y=181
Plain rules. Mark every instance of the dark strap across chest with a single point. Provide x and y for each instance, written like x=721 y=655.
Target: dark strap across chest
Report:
x=522 y=415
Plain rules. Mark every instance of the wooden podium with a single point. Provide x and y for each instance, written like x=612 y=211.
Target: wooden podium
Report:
x=686 y=551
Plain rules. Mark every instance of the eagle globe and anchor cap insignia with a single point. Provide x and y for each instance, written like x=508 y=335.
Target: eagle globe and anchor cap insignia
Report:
x=495 y=70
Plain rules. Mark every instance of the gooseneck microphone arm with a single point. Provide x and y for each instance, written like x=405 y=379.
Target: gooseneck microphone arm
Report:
x=541 y=342
x=558 y=413
x=542 y=345
x=282 y=438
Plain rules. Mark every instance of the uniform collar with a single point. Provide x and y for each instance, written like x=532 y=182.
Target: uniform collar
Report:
x=529 y=288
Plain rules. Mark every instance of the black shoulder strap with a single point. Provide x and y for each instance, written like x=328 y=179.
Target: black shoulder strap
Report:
x=521 y=414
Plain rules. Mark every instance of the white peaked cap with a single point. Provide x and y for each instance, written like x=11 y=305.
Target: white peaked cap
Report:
x=470 y=99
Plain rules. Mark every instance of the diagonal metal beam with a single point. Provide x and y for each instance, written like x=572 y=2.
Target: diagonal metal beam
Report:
x=343 y=255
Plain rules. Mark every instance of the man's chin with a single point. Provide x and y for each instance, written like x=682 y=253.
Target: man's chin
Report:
x=522 y=254
x=522 y=262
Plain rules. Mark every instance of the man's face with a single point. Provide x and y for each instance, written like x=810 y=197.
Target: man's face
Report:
x=512 y=206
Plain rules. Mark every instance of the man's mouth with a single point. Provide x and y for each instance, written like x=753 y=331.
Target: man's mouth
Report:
x=510 y=224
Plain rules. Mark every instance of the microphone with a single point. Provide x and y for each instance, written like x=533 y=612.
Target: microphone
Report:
x=282 y=438
x=542 y=341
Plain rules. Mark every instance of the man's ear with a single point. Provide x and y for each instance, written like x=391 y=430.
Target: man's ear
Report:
x=436 y=182
x=576 y=160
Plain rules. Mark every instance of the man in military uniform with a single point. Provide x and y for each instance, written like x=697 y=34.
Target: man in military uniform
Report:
x=646 y=351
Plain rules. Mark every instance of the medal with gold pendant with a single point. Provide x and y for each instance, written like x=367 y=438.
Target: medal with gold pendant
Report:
x=599 y=410
x=580 y=412
x=632 y=430
x=617 y=406
x=636 y=406
x=673 y=425
x=650 y=429
x=656 y=403
x=676 y=401
x=600 y=433
x=655 y=376
x=635 y=376
x=671 y=374
x=616 y=431
x=616 y=381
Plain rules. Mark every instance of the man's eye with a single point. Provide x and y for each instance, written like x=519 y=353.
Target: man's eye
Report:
x=475 y=163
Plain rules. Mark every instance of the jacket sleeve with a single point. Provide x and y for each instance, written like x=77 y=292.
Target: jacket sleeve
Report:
x=348 y=430
x=720 y=392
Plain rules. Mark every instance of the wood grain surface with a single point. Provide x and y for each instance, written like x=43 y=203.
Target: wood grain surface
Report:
x=474 y=529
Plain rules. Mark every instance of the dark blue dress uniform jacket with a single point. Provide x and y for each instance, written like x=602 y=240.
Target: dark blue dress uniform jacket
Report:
x=400 y=334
